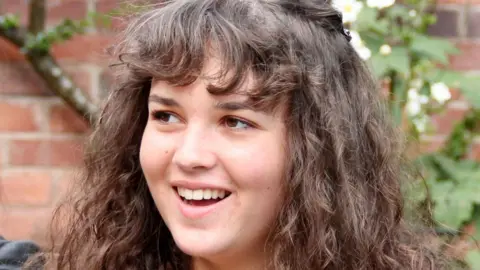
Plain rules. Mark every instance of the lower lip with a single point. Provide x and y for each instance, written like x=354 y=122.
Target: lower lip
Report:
x=196 y=212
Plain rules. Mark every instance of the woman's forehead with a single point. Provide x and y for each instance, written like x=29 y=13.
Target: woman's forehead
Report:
x=174 y=91
x=218 y=73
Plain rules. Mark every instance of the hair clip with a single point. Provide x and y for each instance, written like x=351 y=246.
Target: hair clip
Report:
x=339 y=26
x=347 y=34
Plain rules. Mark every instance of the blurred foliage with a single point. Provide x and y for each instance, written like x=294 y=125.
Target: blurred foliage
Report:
x=393 y=39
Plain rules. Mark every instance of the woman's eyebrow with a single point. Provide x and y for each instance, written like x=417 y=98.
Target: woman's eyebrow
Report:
x=235 y=106
x=163 y=100
x=226 y=106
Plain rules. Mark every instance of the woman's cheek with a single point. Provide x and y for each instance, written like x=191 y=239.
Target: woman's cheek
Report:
x=155 y=152
x=259 y=164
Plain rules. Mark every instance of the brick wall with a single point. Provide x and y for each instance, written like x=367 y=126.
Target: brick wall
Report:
x=459 y=21
x=40 y=137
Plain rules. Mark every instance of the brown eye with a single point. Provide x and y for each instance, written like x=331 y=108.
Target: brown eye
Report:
x=236 y=123
x=165 y=117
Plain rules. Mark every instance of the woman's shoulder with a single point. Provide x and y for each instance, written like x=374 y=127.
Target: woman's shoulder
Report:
x=13 y=254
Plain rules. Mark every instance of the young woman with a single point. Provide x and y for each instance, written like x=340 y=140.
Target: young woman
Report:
x=241 y=134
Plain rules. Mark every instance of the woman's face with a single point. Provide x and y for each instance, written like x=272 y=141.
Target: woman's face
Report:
x=214 y=167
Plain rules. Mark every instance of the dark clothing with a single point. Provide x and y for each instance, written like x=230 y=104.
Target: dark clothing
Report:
x=13 y=254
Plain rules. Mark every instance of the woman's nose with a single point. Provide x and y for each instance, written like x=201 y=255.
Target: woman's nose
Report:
x=194 y=151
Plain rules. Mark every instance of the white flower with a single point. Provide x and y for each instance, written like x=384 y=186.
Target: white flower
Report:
x=420 y=123
x=423 y=99
x=356 y=40
x=412 y=13
x=359 y=46
x=414 y=103
x=364 y=53
x=385 y=49
x=414 y=107
x=348 y=8
x=440 y=92
x=412 y=94
x=416 y=83
x=380 y=3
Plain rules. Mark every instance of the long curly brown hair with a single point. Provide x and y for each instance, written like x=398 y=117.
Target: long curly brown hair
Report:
x=343 y=203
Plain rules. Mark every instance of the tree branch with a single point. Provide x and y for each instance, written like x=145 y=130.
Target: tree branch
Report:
x=37 y=16
x=63 y=86
x=46 y=66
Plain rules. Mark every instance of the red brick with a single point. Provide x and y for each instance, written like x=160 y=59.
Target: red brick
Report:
x=65 y=119
x=473 y=24
x=431 y=146
x=64 y=152
x=26 y=188
x=475 y=151
x=3 y=145
x=31 y=224
x=85 y=48
x=64 y=184
x=16 y=7
x=20 y=79
x=452 y=1
x=458 y=1
x=9 y=51
x=444 y=122
x=457 y=94
x=57 y=11
x=112 y=10
x=106 y=6
x=16 y=117
x=469 y=57
x=446 y=25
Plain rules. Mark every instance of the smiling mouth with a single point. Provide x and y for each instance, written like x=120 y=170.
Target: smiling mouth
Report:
x=201 y=197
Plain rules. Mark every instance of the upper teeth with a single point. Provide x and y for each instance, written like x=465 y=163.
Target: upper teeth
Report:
x=201 y=194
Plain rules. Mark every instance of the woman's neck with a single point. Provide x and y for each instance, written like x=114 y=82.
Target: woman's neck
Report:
x=255 y=262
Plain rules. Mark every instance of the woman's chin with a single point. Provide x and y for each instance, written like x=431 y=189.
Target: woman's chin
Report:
x=207 y=248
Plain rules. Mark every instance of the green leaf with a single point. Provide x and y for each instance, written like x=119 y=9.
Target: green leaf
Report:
x=427 y=162
x=372 y=40
x=378 y=65
x=470 y=186
x=450 y=209
x=452 y=212
x=473 y=259
x=398 y=11
x=476 y=223
x=381 y=27
x=366 y=19
x=434 y=48
x=9 y=21
x=399 y=60
x=470 y=88
x=399 y=92
x=447 y=167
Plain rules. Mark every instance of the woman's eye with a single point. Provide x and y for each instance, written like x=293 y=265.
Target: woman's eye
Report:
x=165 y=117
x=236 y=123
